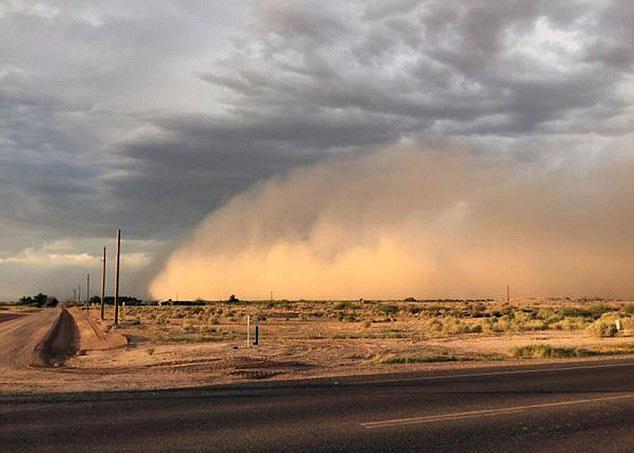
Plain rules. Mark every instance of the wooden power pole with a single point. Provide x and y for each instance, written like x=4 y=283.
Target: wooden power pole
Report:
x=87 y=291
x=508 y=294
x=116 y=279
x=103 y=282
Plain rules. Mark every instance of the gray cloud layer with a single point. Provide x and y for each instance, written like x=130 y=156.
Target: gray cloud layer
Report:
x=151 y=115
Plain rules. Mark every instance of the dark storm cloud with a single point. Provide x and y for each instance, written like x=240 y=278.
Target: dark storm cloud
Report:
x=150 y=116
x=441 y=61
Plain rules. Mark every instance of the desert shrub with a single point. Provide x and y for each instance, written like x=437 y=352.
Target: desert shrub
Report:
x=477 y=310
x=534 y=324
x=593 y=312
x=602 y=328
x=162 y=320
x=345 y=306
x=178 y=314
x=207 y=330
x=414 y=309
x=629 y=309
x=387 y=309
x=485 y=324
x=570 y=323
x=475 y=328
x=131 y=322
x=522 y=317
x=435 y=325
x=500 y=325
x=627 y=348
x=189 y=328
x=367 y=324
x=548 y=351
x=350 y=317
x=454 y=326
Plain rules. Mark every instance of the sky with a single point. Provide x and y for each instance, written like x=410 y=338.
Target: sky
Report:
x=150 y=115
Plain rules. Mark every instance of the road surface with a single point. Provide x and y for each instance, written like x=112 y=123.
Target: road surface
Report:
x=562 y=407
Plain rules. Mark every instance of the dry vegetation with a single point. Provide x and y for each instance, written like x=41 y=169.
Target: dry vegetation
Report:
x=202 y=344
x=214 y=321
x=384 y=327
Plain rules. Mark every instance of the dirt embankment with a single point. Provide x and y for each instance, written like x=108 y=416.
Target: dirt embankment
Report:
x=48 y=338
x=92 y=337
x=59 y=343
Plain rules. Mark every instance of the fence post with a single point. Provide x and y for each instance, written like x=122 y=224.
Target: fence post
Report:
x=248 y=331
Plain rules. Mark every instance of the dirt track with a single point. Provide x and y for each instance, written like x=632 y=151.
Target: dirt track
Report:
x=21 y=336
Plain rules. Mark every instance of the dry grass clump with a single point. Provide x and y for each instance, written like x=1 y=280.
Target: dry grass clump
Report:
x=624 y=348
x=547 y=351
x=603 y=329
x=392 y=360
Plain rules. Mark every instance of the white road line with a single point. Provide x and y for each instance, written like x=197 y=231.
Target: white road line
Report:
x=485 y=412
x=494 y=373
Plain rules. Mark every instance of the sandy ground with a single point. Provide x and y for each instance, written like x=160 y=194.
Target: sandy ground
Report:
x=139 y=356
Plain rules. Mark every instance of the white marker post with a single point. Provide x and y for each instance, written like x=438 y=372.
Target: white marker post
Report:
x=248 y=331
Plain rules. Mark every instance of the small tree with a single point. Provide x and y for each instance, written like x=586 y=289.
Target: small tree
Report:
x=39 y=300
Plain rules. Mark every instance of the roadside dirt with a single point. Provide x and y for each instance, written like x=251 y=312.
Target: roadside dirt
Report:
x=92 y=337
x=34 y=343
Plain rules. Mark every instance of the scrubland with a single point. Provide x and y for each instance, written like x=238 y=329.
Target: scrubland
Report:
x=204 y=343
x=378 y=333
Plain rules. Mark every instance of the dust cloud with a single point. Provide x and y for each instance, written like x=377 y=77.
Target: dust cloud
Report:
x=419 y=220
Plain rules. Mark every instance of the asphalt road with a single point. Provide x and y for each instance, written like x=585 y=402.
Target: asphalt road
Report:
x=561 y=407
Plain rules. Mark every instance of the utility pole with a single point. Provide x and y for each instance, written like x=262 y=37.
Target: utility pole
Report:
x=79 y=294
x=87 y=291
x=116 y=279
x=103 y=282
x=508 y=294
